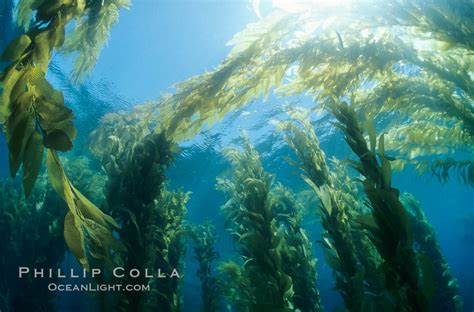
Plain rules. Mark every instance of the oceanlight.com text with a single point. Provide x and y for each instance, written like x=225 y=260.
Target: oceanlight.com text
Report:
x=97 y=287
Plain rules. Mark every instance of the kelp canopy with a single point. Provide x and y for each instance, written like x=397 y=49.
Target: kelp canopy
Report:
x=410 y=60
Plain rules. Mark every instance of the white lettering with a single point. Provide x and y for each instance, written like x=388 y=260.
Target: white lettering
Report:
x=95 y=272
x=134 y=273
x=114 y=272
x=23 y=270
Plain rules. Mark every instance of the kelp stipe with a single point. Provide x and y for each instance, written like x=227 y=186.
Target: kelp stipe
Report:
x=339 y=248
x=388 y=224
x=150 y=216
x=203 y=238
x=253 y=225
x=297 y=256
x=446 y=296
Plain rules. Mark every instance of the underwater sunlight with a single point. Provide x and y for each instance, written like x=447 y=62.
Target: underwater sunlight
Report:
x=237 y=156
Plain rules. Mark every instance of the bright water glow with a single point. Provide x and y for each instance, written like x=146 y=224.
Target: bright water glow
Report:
x=295 y=6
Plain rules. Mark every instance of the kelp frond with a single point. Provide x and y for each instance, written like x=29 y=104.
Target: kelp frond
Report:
x=425 y=138
x=151 y=216
x=446 y=296
x=36 y=118
x=204 y=239
x=167 y=236
x=93 y=21
x=383 y=55
x=444 y=169
x=319 y=64
x=33 y=112
x=339 y=248
x=90 y=34
x=388 y=224
x=85 y=225
x=441 y=20
x=235 y=286
x=251 y=220
x=297 y=256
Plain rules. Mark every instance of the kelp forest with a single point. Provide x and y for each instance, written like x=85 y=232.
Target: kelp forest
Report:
x=366 y=95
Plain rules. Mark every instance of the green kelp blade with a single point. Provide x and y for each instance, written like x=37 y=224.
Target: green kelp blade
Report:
x=372 y=134
x=367 y=221
x=88 y=219
x=20 y=125
x=57 y=140
x=90 y=211
x=16 y=48
x=382 y=145
x=332 y=260
x=386 y=172
x=75 y=239
x=32 y=159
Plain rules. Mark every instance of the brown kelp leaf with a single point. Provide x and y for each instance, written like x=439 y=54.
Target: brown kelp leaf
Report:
x=90 y=211
x=372 y=135
x=32 y=159
x=75 y=238
x=9 y=79
x=20 y=88
x=102 y=238
x=89 y=221
x=55 y=173
x=48 y=9
x=19 y=126
x=16 y=49
x=382 y=145
x=332 y=259
x=50 y=114
x=386 y=172
x=44 y=44
x=57 y=140
x=367 y=221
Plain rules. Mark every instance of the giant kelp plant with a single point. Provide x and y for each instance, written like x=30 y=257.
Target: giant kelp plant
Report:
x=338 y=244
x=297 y=258
x=151 y=217
x=203 y=238
x=388 y=224
x=446 y=297
x=35 y=116
x=253 y=225
x=265 y=220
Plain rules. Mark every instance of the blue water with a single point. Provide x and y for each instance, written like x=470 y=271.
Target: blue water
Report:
x=158 y=43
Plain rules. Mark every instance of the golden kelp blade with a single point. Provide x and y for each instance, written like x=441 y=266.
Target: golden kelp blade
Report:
x=75 y=239
x=84 y=223
x=33 y=107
